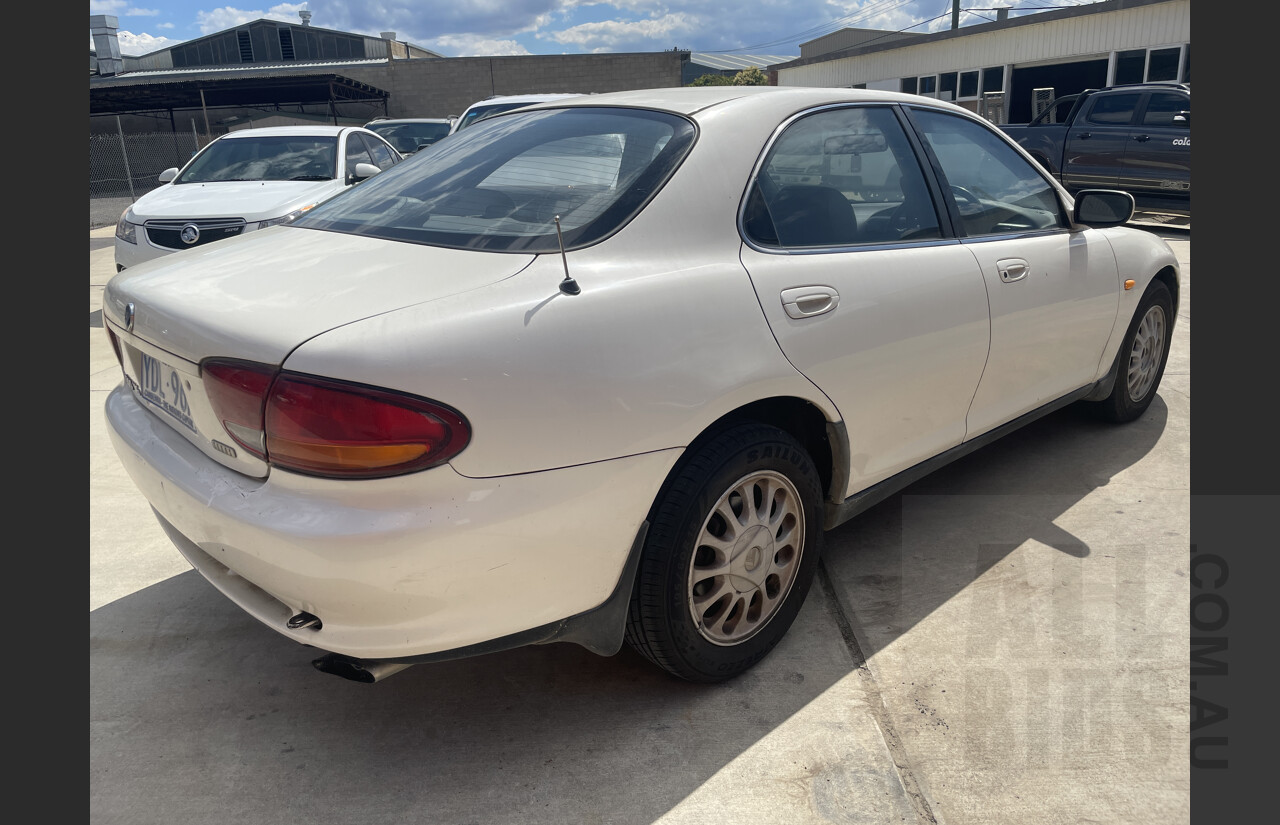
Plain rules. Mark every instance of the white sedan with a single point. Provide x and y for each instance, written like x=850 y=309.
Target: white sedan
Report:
x=606 y=369
x=247 y=180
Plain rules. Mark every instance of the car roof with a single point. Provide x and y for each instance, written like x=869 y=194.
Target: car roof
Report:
x=688 y=100
x=271 y=131
x=528 y=97
x=382 y=121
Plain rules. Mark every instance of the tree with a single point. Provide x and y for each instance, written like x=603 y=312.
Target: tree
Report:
x=712 y=80
x=751 y=77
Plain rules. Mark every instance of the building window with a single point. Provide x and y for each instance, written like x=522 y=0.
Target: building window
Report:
x=909 y=85
x=928 y=85
x=947 y=86
x=993 y=79
x=1130 y=66
x=1162 y=64
x=968 y=84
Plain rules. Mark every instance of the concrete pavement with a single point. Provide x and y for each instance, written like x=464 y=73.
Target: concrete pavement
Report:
x=1005 y=642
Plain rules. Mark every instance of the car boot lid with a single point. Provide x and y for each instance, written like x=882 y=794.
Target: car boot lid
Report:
x=222 y=300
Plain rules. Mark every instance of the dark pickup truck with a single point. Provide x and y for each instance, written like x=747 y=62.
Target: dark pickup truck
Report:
x=1136 y=138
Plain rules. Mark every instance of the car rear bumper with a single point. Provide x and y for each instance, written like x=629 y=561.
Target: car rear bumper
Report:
x=393 y=568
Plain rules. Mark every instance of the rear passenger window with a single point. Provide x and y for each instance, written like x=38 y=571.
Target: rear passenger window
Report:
x=1162 y=106
x=837 y=178
x=1113 y=110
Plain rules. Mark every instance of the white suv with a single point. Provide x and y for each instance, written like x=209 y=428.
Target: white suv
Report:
x=246 y=180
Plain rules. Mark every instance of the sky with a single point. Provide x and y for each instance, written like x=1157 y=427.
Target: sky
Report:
x=465 y=28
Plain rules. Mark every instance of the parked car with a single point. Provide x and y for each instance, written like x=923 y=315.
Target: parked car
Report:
x=589 y=372
x=409 y=134
x=501 y=103
x=1135 y=137
x=244 y=181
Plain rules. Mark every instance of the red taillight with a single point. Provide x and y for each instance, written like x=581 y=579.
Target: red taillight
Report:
x=331 y=428
x=238 y=390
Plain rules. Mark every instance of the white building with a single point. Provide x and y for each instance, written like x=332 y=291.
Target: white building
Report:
x=1008 y=68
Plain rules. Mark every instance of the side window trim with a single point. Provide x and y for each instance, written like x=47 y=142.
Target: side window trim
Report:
x=934 y=179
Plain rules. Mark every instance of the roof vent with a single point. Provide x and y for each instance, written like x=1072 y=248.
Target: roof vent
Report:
x=387 y=35
x=106 y=44
x=306 y=17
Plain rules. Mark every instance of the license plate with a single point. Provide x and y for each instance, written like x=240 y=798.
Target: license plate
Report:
x=166 y=388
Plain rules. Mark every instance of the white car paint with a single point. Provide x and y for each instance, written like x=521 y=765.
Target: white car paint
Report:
x=580 y=405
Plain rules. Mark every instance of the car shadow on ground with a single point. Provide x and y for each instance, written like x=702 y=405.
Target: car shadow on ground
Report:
x=200 y=714
x=908 y=555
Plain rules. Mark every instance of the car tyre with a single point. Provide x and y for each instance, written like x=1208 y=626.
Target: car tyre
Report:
x=1142 y=357
x=732 y=548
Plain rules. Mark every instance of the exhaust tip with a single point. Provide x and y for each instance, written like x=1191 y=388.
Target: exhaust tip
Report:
x=304 y=619
x=366 y=671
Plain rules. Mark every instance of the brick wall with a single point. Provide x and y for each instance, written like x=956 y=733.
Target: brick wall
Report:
x=442 y=87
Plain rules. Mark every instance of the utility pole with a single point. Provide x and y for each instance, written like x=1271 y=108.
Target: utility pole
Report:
x=955 y=14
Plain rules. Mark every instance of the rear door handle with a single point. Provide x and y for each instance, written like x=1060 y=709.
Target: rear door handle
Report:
x=1012 y=269
x=808 y=301
x=1142 y=138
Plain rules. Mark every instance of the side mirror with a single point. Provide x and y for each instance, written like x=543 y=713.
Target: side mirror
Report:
x=1182 y=119
x=169 y=174
x=1103 y=207
x=361 y=172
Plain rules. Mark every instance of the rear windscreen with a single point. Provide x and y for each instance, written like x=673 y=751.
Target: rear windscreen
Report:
x=502 y=184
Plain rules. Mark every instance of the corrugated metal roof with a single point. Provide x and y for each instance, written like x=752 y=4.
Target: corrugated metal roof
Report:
x=738 y=62
x=292 y=65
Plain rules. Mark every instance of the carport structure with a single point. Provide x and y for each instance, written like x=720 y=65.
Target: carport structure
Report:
x=159 y=92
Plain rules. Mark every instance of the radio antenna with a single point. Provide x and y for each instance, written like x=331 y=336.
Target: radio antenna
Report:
x=568 y=286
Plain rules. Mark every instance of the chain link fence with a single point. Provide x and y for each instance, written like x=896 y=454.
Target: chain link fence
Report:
x=124 y=167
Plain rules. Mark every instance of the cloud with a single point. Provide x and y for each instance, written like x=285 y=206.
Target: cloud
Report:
x=228 y=17
x=136 y=45
x=431 y=21
x=475 y=46
x=617 y=35
x=120 y=8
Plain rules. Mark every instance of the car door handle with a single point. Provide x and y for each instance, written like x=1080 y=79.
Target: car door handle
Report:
x=1142 y=138
x=1012 y=269
x=1085 y=135
x=808 y=301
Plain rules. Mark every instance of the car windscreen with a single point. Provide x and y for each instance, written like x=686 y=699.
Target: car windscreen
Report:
x=275 y=157
x=502 y=184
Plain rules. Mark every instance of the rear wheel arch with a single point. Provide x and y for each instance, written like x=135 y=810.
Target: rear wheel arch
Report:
x=822 y=439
